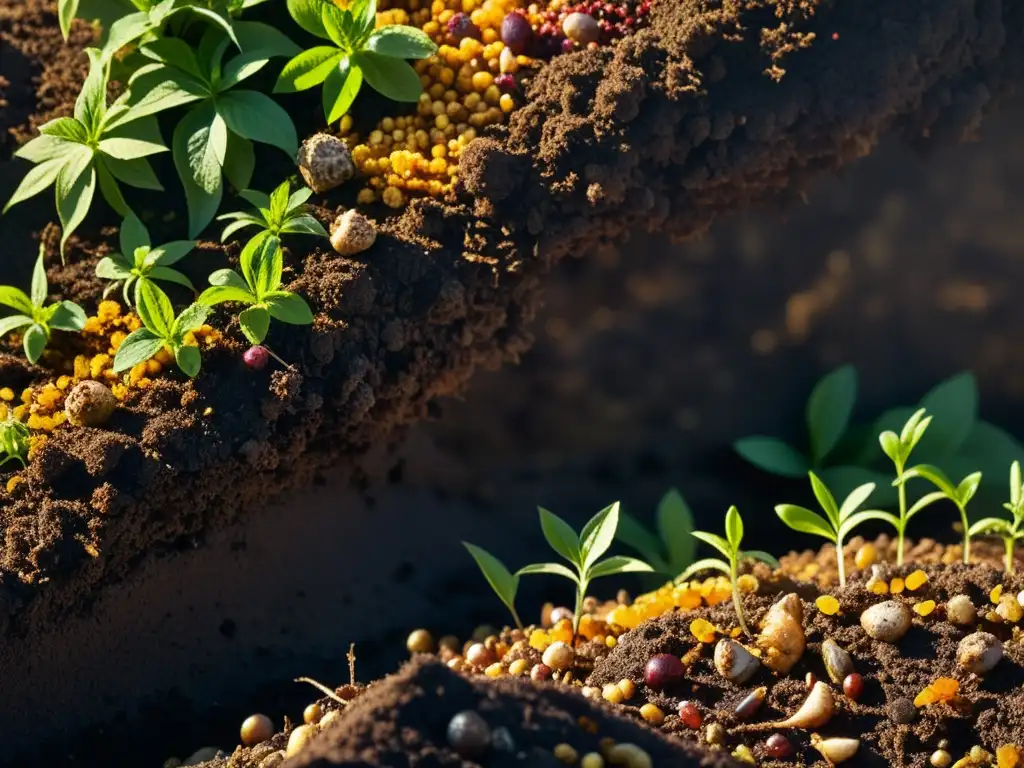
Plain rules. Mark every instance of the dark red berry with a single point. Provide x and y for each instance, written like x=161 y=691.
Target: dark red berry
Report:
x=540 y=672
x=663 y=670
x=256 y=358
x=508 y=83
x=461 y=26
x=568 y=46
x=689 y=715
x=778 y=746
x=853 y=686
x=516 y=33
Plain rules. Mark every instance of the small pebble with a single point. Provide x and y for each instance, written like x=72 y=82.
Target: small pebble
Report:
x=353 y=233
x=325 y=162
x=979 y=652
x=298 y=739
x=941 y=759
x=273 y=760
x=559 y=656
x=888 y=621
x=960 y=610
x=778 y=746
x=420 y=641
x=902 y=711
x=734 y=662
x=581 y=28
x=90 y=404
x=663 y=670
x=256 y=729
x=469 y=734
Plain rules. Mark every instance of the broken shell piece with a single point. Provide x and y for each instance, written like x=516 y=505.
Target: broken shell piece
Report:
x=835 y=750
x=325 y=162
x=960 y=610
x=979 y=652
x=888 y=621
x=734 y=662
x=782 y=639
x=837 y=661
x=352 y=233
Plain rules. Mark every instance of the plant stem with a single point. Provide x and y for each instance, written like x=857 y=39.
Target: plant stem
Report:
x=903 y=515
x=737 y=603
x=1009 y=540
x=967 y=536
x=841 y=561
x=581 y=591
x=515 y=616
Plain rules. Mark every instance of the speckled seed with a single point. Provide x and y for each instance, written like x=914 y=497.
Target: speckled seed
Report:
x=1009 y=609
x=90 y=404
x=469 y=734
x=325 y=162
x=298 y=739
x=838 y=663
x=902 y=711
x=581 y=28
x=734 y=662
x=888 y=621
x=979 y=652
x=352 y=233
x=256 y=729
x=559 y=656
x=960 y=610
x=941 y=759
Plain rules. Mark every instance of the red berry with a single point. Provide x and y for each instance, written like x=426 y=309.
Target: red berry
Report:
x=516 y=32
x=540 y=672
x=663 y=670
x=853 y=686
x=690 y=715
x=461 y=26
x=508 y=83
x=256 y=358
x=568 y=46
x=778 y=746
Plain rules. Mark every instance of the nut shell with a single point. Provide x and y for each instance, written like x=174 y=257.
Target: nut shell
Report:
x=325 y=162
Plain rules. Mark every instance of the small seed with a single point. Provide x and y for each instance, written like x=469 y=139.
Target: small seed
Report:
x=611 y=692
x=312 y=714
x=652 y=713
x=628 y=687
x=715 y=734
x=469 y=734
x=902 y=711
x=865 y=556
x=746 y=708
x=298 y=739
x=689 y=714
x=888 y=621
x=90 y=404
x=420 y=641
x=518 y=667
x=256 y=729
x=734 y=662
x=566 y=754
x=479 y=655
x=979 y=652
x=941 y=759
x=853 y=686
x=835 y=750
x=838 y=662
x=353 y=233
x=559 y=656
x=540 y=672
x=960 y=610
x=560 y=613
x=592 y=760
x=778 y=746
x=663 y=670
x=1009 y=609
x=581 y=28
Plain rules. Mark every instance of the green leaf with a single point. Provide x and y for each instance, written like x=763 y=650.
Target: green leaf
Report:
x=259 y=199
x=734 y=528
x=825 y=499
x=170 y=253
x=401 y=42
x=189 y=360
x=393 y=78
x=289 y=308
x=924 y=501
x=40 y=288
x=13 y=323
x=133 y=235
x=857 y=518
x=176 y=53
x=857 y=497
x=773 y=456
x=308 y=69
x=154 y=309
x=279 y=202
x=36 y=180
x=134 y=173
x=66 y=12
x=968 y=487
x=35 y=342
x=193 y=154
x=619 y=564
x=168 y=275
x=156 y=88
x=341 y=87
x=66 y=128
x=255 y=322
x=764 y=557
x=304 y=225
x=932 y=474
x=829 y=409
x=333 y=20
x=553 y=569
x=257 y=117
x=805 y=521
x=504 y=584
x=76 y=186
x=560 y=536
x=912 y=426
x=598 y=534
x=891 y=446
x=218 y=294
x=43 y=148
x=16 y=299
x=263 y=268
x=130 y=149
x=715 y=541
x=707 y=564
x=191 y=317
x=264 y=40
x=236 y=226
x=844 y=480
x=298 y=199
x=239 y=162
x=1015 y=483
x=990 y=525
x=229 y=277
x=91 y=104
x=67 y=316
x=634 y=535
x=675 y=526
x=307 y=15
x=110 y=268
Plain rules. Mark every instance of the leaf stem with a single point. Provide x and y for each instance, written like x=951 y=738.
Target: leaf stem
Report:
x=967 y=535
x=737 y=603
x=903 y=514
x=841 y=561
x=1009 y=541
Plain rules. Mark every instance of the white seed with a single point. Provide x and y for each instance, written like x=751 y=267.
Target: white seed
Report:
x=581 y=28
x=734 y=662
x=888 y=621
x=816 y=710
x=960 y=610
x=559 y=656
x=979 y=652
x=782 y=639
x=835 y=750
x=325 y=162
x=299 y=738
x=941 y=759
x=507 y=61
x=352 y=233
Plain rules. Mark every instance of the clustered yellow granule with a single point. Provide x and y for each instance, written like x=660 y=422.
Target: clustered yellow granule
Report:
x=591 y=628
x=683 y=596
x=418 y=153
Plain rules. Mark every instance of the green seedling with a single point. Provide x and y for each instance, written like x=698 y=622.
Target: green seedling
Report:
x=672 y=548
x=358 y=51
x=161 y=330
x=1010 y=531
x=959 y=493
x=99 y=145
x=14 y=441
x=276 y=214
x=839 y=520
x=139 y=262
x=584 y=552
x=504 y=583
x=730 y=548
x=898 y=448
x=259 y=287
x=35 y=315
x=215 y=137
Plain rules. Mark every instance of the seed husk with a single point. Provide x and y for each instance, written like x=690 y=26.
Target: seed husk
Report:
x=835 y=750
x=782 y=639
x=816 y=711
x=838 y=662
x=734 y=662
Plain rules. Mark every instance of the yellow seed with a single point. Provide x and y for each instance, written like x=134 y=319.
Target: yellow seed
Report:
x=1008 y=756
x=742 y=752
x=748 y=583
x=652 y=714
x=916 y=580
x=703 y=630
x=628 y=687
x=897 y=585
x=591 y=759
x=827 y=605
x=518 y=667
x=612 y=693
x=494 y=670
x=566 y=754
x=995 y=594
x=924 y=608
x=879 y=587
x=610 y=641
x=865 y=556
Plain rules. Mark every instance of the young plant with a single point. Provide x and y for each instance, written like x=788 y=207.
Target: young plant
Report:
x=584 y=553
x=34 y=314
x=215 y=137
x=504 y=583
x=730 y=548
x=276 y=214
x=898 y=448
x=358 y=51
x=259 y=287
x=672 y=548
x=100 y=144
x=139 y=262
x=161 y=330
x=960 y=494
x=14 y=441
x=839 y=520
x=1010 y=531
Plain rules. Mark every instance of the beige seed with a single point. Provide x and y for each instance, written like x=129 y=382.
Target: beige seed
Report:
x=960 y=610
x=888 y=621
x=299 y=738
x=90 y=404
x=256 y=729
x=325 y=162
x=352 y=233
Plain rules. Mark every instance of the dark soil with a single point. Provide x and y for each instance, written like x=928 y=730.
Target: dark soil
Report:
x=989 y=713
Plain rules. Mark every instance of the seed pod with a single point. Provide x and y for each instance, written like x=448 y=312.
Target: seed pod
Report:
x=734 y=662
x=837 y=661
x=835 y=750
x=325 y=162
x=815 y=712
x=888 y=621
x=979 y=652
x=782 y=639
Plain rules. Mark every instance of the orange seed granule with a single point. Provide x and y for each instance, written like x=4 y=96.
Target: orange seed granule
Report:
x=1008 y=756
x=703 y=630
x=943 y=689
x=878 y=587
x=896 y=585
x=916 y=580
x=865 y=556
x=924 y=608
x=827 y=605
x=995 y=594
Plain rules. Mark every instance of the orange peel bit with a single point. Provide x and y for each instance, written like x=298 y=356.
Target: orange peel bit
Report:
x=943 y=689
x=703 y=630
x=1008 y=756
